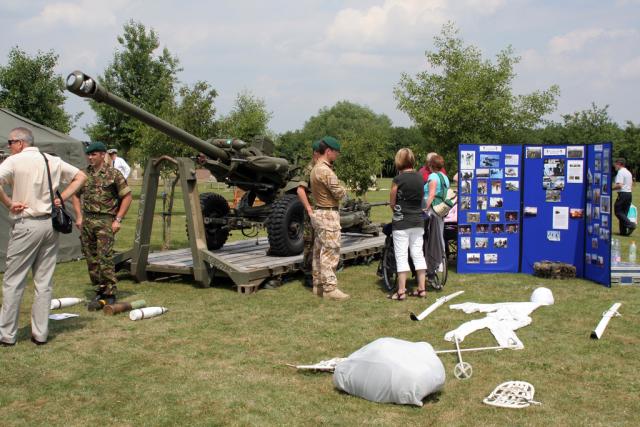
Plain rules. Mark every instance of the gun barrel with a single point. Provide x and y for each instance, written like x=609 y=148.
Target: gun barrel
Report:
x=85 y=86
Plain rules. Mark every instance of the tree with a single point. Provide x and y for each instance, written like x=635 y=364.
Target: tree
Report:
x=402 y=137
x=463 y=99
x=587 y=126
x=30 y=87
x=248 y=118
x=627 y=147
x=363 y=134
x=291 y=146
x=145 y=80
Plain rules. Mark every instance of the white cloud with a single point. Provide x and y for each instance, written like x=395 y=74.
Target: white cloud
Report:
x=83 y=14
x=631 y=69
x=575 y=41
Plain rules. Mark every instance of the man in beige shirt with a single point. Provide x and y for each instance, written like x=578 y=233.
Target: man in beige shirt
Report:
x=33 y=243
x=327 y=193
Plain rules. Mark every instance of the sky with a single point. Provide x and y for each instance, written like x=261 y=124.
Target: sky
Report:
x=301 y=56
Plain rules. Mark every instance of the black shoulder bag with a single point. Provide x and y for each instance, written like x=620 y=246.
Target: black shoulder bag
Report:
x=60 y=218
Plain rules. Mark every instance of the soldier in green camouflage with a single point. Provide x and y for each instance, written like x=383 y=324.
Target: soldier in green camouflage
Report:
x=100 y=207
x=305 y=196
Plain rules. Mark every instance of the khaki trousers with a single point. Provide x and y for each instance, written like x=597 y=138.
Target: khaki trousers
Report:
x=33 y=245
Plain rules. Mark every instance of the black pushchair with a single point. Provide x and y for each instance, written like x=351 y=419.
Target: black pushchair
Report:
x=387 y=267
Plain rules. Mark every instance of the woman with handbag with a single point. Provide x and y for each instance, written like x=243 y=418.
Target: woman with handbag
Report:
x=435 y=191
x=405 y=199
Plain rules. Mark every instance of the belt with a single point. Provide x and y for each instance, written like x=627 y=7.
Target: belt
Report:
x=329 y=208
x=98 y=214
x=34 y=218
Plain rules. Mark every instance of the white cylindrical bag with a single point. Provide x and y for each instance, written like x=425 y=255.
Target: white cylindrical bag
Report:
x=147 y=312
x=64 y=302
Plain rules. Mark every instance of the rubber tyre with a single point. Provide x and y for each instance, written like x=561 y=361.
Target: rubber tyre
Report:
x=214 y=205
x=285 y=226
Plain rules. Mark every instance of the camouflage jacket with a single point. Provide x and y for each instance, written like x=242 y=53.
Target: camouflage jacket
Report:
x=103 y=190
x=304 y=180
x=327 y=190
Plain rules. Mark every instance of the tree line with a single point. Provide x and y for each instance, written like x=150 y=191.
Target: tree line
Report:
x=459 y=98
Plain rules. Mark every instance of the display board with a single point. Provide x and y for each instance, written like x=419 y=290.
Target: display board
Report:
x=489 y=208
x=554 y=191
x=598 y=213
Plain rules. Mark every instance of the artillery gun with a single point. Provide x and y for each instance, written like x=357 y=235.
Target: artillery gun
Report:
x=250 y=167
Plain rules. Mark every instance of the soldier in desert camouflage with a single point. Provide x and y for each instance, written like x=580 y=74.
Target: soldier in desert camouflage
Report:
x=304 y=194
x=101 y=207
x=327 y=193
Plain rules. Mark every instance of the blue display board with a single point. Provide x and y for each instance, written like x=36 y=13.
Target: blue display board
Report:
x=598 y=213
x=489 y=221
x=553 y=217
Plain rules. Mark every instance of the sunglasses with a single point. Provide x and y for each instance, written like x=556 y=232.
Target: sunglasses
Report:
x=12 y=141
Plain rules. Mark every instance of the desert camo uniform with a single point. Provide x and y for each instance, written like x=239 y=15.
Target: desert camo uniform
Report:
x=101 y=197
x=304 y=180
x=327 y=193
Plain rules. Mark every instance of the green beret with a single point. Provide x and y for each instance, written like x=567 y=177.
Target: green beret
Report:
x=95 y=146
x=331 y=142
x=316 y=145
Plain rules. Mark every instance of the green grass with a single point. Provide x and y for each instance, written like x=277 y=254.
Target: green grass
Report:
x=219 y=357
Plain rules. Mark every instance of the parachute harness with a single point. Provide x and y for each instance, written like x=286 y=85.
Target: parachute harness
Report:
x=512 y=394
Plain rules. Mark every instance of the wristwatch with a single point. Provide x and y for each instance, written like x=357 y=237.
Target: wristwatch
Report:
x=119 y=218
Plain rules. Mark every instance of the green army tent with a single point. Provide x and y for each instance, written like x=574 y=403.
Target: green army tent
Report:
x=51 y=142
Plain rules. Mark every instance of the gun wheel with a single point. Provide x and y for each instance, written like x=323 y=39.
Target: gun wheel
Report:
x=285 y=226
x=216 y=206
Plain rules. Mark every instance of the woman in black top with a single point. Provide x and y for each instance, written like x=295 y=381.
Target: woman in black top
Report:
x=407 y=192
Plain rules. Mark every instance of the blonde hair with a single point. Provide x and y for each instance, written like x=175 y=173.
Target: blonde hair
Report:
x=404 y=159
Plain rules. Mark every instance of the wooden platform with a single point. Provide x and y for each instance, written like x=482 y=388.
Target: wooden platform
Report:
x=247 y=264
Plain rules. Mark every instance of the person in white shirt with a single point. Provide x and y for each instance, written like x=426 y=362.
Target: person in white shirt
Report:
x=623 y=183
x=33 y=243
x=119 y=163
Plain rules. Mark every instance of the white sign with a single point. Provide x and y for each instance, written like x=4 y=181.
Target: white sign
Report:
x=554 y=151
x=492 y=148
x=560 y=218
x=575 y=170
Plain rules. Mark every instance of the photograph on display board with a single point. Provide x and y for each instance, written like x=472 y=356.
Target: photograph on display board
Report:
x=481 y=243
x=553 y=235
x=534 y=153
x=512 y=185
x=482 y=228
x=605 y=204
x=605 y=221
x=600 y=261
x=473 y=216
x=576 y=213
x=496 y=202
x=575 y=152
x=482 y=186
x=589 y=194
x=530 y=211
x=553 y=182
x=596 y=196
x=465 y=243
x=496 y=173
x=493 y=216
x=511 y=216
x=596 y=212
x=465 y=186
x=605 y=184
x=597 y=179
x=481 y=203
x=511 y=159
x=511 y=172
x=497 y=228
x=489 y=160
x=500 y=242
x=554 y=167
x=467 y=160
x=553 y=196
x=496 y=187
x=596 y=229
x=512 y=228
x=594 y=243
x=604 y=234
x=464 y=229
x=473 y=258
x=597 y=164
x=590 y=229
x=589 y=176
x=482 y=173
x=466 y=174
x=465 y=203
x=605 y=157
x=575 y=171
x=490 y=258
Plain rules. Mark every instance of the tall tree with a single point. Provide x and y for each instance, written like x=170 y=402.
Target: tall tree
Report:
x=248 y=118
x=592 y=125
x=364 y=136
x=141 y=77
x=463 y=99
x=30 y=87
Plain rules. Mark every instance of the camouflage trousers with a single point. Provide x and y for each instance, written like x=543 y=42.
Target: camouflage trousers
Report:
x=308 y=238
x=326 y=248
x=97 y=247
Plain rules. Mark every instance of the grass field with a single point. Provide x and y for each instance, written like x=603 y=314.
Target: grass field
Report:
x=218 y=358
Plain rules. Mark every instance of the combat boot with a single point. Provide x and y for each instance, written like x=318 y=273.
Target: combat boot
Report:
x=336 y=295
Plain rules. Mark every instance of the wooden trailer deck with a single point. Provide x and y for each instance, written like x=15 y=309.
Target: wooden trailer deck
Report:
x=247 y=264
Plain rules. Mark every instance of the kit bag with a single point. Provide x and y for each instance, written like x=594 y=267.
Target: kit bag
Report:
x=60 y=218
x=445 y=200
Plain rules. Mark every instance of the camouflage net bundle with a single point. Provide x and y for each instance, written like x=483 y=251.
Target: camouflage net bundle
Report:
x=554 y=270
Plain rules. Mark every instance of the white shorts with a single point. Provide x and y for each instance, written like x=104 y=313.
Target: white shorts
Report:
x=405 y=242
